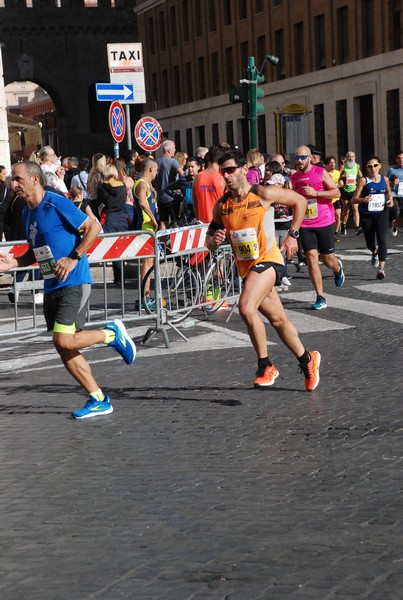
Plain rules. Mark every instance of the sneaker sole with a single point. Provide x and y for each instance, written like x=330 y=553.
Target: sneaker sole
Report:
x=318 y=307
x=265 y=385
x=132 y=344
x=318 y=379
x=340 y=282
x=94 y=414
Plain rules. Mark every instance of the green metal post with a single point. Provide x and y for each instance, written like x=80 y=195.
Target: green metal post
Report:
x=252 y=76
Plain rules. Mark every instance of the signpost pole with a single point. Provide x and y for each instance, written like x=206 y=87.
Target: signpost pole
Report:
x=128 y=127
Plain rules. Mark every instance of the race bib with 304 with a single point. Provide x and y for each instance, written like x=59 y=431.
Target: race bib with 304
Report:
x=46 y=261
x=376 y=203
x=245 y=244
x=312 y=209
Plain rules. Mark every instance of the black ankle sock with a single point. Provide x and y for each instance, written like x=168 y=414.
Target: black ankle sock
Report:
x=264 y=362
x=305 y=358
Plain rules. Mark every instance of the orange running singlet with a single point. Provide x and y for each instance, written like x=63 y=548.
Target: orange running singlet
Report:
x=250 y=230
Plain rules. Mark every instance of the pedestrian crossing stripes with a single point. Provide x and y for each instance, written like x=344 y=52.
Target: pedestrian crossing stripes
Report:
x=212 y=335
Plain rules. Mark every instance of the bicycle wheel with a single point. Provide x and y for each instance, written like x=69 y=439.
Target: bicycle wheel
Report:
x=219 y=282
x=179 y=289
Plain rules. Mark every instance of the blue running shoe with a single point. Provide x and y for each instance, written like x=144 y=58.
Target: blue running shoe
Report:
x=339 y=277
x=319 y=304
x=94 y=408
x=122 y=342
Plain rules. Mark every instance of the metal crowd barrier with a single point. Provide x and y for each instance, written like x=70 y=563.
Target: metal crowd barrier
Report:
x=183 y=277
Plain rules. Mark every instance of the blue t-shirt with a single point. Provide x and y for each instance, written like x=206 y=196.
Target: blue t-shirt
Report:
x=378 y=192
x=52 y=230
x=396 y=173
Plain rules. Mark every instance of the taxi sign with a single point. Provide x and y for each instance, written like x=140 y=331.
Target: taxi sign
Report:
x=148 y=134
x=117 y=121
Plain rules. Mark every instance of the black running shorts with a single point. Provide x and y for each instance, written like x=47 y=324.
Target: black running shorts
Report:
x=318 y=238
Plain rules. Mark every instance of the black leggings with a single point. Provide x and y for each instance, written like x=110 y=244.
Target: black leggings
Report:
x=376 y=227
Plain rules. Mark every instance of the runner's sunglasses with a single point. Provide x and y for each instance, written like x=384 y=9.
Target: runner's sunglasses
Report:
x=372 y=165
x=229 y=170
x=301 y=156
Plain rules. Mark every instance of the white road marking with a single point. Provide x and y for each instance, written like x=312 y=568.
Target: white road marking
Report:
x=386 y=289
x=386 y=312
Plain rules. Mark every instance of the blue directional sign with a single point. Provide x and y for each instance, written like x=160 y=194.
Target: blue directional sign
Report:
x=124 y=92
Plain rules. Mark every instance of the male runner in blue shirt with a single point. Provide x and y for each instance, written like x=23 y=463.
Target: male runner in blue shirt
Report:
x=51 y=224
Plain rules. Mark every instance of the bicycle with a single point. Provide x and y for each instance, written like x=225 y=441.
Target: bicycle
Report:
x=185 y=282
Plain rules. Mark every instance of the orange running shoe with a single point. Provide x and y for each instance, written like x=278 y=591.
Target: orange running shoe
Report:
x=311 y=371
x=266 y=376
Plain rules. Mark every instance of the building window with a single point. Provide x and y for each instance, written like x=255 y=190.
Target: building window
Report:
x=161 y=31
x=260 y=50
x=299 y=49
x=244 y=54
x=177 y=139
x=227 y=13
x=277 y=3
x=259 y=5
x=188 y=82
x=201 y=135
x=393 y=124
x=215 y=134
x=279 y=50
x=215 y=79
x=185 y=20
x=172 y=19
x=229 y=66
x=154 y=91
x=261 y=133
x=189 y=141
x=165 y=88
x=243 y=9
x=320 y=44
x=368 y=29
x=396 y=25
x=319 y=120
x=343 y=31
x=212 y=15
x=201 y=77
x=151 y=39
x=176 y=85
x=198 y=18
x=341 y=124
x=229 y=129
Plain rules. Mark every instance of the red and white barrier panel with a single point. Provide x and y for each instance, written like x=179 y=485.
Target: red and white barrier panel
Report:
x=104 y=248
x=184 y=239
x=15 y=250
x=122 y=247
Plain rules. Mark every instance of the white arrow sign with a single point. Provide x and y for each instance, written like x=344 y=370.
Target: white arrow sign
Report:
x=124 y=92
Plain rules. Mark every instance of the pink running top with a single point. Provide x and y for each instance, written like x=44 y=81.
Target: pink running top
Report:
x=320 y=211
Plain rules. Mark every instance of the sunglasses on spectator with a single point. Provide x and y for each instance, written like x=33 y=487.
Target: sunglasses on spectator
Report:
x=229 y=170
x=372 y=165
x=301 y=156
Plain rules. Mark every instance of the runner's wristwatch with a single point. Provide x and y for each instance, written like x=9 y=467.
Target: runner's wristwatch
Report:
x=75 y=255
x=294 y=233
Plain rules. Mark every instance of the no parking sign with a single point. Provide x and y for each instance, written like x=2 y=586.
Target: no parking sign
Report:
x=148 y=134
x=117 y=121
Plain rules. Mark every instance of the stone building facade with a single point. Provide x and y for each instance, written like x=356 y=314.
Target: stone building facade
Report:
x=338 y=83
x=61 y=46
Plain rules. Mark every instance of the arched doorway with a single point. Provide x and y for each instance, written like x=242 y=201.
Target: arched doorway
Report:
x=31 y=118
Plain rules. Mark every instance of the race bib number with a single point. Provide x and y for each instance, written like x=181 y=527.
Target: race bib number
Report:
x=312 y=209
x=376 y=203
x=400 y=188
x=245 y=244
x=46 y=261
x=350 y=179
